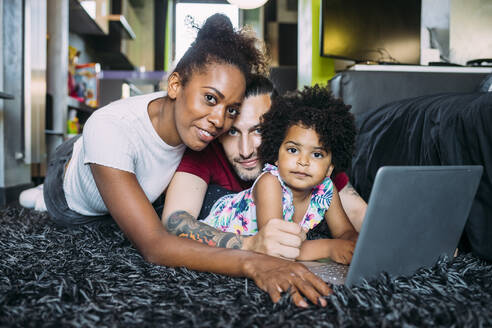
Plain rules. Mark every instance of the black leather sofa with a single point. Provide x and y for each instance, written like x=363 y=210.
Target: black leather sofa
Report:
x=422 y=118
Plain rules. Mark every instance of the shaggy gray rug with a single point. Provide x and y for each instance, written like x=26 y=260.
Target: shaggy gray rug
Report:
x=92 y=277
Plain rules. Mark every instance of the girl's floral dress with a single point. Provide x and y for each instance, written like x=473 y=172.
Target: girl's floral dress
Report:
x=237 y=212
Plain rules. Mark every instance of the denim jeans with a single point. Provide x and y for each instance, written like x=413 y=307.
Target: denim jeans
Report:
x=54 y=197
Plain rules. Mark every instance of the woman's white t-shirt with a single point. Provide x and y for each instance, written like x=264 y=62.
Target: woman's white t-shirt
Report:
x=121 y=136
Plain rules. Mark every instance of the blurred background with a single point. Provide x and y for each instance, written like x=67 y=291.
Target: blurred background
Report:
x=61 y=60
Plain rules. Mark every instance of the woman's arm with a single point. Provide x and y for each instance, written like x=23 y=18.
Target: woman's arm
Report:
x=136 y=217
x=341 y=247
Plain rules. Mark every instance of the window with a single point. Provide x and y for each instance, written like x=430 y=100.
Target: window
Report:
x=199 y=11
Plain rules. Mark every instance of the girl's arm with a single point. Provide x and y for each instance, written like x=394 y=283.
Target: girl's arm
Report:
x=267 y=194
x=341 y=247
x=136 y=217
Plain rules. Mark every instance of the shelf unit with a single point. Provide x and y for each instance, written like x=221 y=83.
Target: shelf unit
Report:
x=81 y=22
x=83 y=111
x=107 y=46
x=4 y=95
x=120 y=23
x=73 y=103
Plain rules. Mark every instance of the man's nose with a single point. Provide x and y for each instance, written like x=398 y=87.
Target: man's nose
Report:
x=246 y=147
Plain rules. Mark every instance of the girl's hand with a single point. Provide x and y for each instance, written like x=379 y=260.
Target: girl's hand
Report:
x=277 y=238
x=341 y=250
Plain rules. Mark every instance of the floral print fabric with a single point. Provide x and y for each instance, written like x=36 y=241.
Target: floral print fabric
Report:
x=237 y=212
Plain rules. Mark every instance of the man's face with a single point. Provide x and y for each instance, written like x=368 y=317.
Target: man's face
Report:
x=241 y=142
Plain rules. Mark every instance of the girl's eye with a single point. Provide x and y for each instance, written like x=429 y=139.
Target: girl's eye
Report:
x=211 y=99
x=317 y=155
x=291 y=150
x=232 y=132
x=232 y=111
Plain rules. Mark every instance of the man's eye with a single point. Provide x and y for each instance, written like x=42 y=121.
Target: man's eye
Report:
x=211 y=99
x=233 y=132
x=291 y=150
x=232 y=111
x=257 y=131
x=317 y=155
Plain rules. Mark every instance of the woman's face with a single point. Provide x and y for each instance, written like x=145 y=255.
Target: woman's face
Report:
x=207 y=105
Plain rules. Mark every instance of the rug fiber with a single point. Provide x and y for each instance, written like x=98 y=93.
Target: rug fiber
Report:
x=93 y=277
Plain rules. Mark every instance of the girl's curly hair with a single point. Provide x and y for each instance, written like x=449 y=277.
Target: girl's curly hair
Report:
x=218 y=42
x=316 y=108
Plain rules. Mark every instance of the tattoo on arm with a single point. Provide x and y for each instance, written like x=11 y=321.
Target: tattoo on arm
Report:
x=184 y=225
x=351 y=190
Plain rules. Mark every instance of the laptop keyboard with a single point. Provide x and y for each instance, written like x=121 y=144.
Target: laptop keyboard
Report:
x=331 y=272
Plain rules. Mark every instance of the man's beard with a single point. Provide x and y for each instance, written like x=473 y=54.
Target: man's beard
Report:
x=246 y=174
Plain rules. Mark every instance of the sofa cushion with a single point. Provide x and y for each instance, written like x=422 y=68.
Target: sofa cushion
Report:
x=365 y=91
x=486 y=85
x=443 y=129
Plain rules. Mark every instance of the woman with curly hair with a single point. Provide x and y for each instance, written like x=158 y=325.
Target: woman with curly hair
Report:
x=305 y=136
x=131 y=148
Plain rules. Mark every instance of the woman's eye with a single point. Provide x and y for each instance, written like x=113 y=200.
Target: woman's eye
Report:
x=291 y=150
x=232 y=111
x=211 y=99
x=232 y=132
x=257 y=131
x=317 y=155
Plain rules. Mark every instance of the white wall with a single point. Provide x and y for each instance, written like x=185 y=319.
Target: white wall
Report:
x=304 y=43
x=435 y=30
x=461 y=28
x=470 y=30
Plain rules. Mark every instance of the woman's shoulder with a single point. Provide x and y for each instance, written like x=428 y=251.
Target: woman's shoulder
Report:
x=132 y=106
x=122 y=113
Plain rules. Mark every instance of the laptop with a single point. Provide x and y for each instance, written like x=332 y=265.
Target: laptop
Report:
x=415 y=215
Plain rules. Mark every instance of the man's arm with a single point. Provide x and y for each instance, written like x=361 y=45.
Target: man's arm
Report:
x=354 y=205
x=183 y=224
x=185 y=192
x=184 y=198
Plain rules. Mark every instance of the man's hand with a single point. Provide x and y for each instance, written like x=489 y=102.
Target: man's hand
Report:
x=276 y=276
x=277 y=238
x=341 y=250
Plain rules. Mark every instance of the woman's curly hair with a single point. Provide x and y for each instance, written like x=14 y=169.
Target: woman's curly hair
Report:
x=218 y=42
x=316 y=108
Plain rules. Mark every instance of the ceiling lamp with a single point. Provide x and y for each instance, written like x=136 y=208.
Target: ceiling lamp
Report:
x=248 y=4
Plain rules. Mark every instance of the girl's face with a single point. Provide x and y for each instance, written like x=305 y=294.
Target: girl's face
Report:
x=302 y=161
x=207 y=105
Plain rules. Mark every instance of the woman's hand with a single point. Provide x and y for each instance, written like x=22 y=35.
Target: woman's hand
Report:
x=341 y=250
x=276 y=276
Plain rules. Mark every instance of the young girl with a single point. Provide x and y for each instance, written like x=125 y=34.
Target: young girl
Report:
x=305 y=135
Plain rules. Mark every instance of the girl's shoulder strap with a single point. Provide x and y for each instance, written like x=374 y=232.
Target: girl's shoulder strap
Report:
x=273 y=170
x=323 y=193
